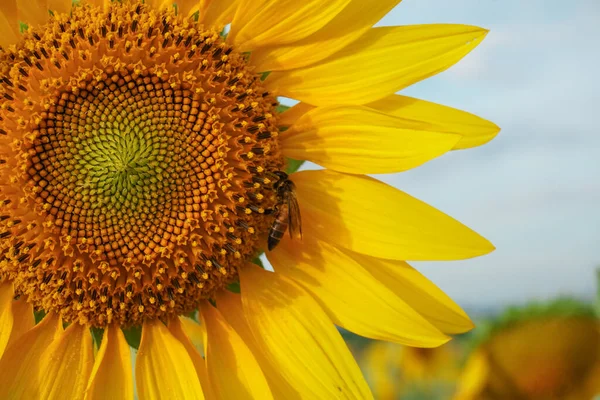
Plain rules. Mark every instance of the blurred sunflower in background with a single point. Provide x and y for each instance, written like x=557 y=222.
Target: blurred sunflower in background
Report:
x=141 y=159
x=400 y=372
x=537 y=353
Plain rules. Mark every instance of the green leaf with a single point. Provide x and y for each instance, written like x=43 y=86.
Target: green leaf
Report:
x=293 y=165
x=133 y=336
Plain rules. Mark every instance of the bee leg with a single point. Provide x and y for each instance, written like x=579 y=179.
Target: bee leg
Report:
x=270 y=211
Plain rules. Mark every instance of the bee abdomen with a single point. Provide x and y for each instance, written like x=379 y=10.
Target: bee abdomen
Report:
x=275 y=234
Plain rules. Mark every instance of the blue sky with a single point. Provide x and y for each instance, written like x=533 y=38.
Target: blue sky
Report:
x=535 y=190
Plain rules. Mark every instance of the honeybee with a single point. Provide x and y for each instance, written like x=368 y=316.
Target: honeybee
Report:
x=287 y=211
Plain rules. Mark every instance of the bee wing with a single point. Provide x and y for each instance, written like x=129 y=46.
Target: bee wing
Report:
x=294 y=218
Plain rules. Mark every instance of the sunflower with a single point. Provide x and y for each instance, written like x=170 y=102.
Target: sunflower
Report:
x=141 y=156
x=550 y=355
x=396 y=372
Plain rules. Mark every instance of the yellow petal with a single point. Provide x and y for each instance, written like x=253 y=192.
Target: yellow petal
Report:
x=360 y=140
x=219 y=12
x=188 y=7
x=417 y=291
x=370 y=217
x=244 y=11
x=20 y=363
x=9 y=23
x=33 y=12
x=164 y=368
x=352 y=297
x=350 y=24
x=290 y=116
x=23 y=319
x=60 y=6
x=377 y=362
x=160 y=4
x=6 y=314
x=296 y=335
x=111 y=376
x=230 y=305
x=285 y=21
x=233 y=371
x=98 y=3
x=204 y=334
x=194 y=331
x=66 y=365
x=177 y=328
x=474 y=130
x=380 y=63
x=422 y=365
x=473 y=379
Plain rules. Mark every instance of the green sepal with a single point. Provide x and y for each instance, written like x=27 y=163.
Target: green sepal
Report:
x=258 y=261
x=281 y=108
x=97 y=334
x=293 y=165
x=193 y=315
x=38 y=316
x=133 y=336
x=234 y=287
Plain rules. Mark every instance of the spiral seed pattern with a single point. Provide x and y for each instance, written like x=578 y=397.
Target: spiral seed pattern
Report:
x=136 y=151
